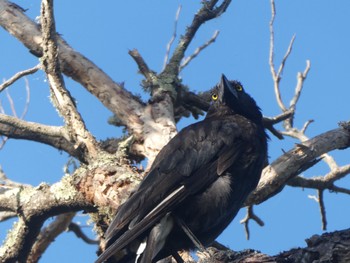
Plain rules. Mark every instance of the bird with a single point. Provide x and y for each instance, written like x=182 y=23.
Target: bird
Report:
x=196 y=184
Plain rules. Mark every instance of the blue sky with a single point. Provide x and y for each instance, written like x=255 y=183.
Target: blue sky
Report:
x=104 y=31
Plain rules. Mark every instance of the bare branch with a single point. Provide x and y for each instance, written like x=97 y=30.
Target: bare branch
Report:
x=250 y=216
x=187 y=60
x=290 y=164
x=270 y=121
x=301 y=78
x=19 y=75
x=284 y=60
x=62 y=99
x=12 y=104
x=33 y=206
x=127 y=107
x=52 y=135
x=275 y=77
x=300 y=82
x=322 y=209
x=206 y=13
x=48 y=235
x=306 y=125
x=168 y=47
x=143 y=67
x=322 y=182
x=76 y=229
x=5 y=215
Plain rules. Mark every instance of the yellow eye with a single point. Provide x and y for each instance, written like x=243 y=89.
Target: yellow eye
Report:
x=239 y=88
x=214 y=96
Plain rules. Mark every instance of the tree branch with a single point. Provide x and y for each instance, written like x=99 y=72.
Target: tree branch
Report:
x=168 y=47
x=60 y=95
x=19 y=75
x=127 y=107
x=187 y=60
x=290 y=164
x=33 y=206
x=48 y=235
x=54 y=136
x=76 y=229
x=206 y=13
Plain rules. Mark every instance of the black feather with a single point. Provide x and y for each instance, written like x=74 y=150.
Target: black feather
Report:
x=202 y=177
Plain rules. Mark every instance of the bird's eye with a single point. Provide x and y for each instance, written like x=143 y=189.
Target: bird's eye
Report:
x=214 y=96
x=239 y=88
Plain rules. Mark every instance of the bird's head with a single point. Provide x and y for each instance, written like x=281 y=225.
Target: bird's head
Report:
x=229 y=96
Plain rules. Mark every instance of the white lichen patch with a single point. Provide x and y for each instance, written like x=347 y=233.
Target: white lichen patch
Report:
x=64 y=190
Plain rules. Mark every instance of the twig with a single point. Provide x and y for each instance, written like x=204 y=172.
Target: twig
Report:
x=322 y=182
x=187 y=60
x=76 y=229
x=206 y=13
x=300 y=82
x=4 y=139
x=168 y=47
x=270 y=121
x=301 y=78
x=306 y=125
x=143 y=67
x=12 y=104
x=322 y=209
x=26 y=105
x=284 y=60
x=250 y=215
x=19 y=75
x=275 y=77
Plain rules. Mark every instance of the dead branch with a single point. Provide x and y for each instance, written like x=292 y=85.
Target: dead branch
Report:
x=76 y=229
x=48 y=235
x=187 y=60
x=322 y=182
x=150 y=75
x=116 y=98
x=52 y=135
x=250 y=216
x=34 y=205
x=329 y=247
x=290 y=164
x=13 y=108
x=61 y=96
x=208 y=11
x=322 y=209
x=19 y=75
x=171 y=41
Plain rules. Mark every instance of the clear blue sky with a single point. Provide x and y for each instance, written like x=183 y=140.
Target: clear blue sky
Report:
x=104 y=31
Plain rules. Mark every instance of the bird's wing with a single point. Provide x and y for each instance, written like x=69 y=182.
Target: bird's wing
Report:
x=151 y=218
x=181 y=168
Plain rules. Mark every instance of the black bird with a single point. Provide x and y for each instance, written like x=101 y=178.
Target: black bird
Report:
x=198 y=181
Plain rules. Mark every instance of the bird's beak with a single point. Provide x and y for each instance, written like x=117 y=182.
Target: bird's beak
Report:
x=226 y=86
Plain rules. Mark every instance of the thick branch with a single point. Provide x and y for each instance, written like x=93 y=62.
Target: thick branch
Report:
x=48 y=235
x=61 y=97
x=127 y=107
x=34 y=206
x=290 y=164
x=52 y=135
